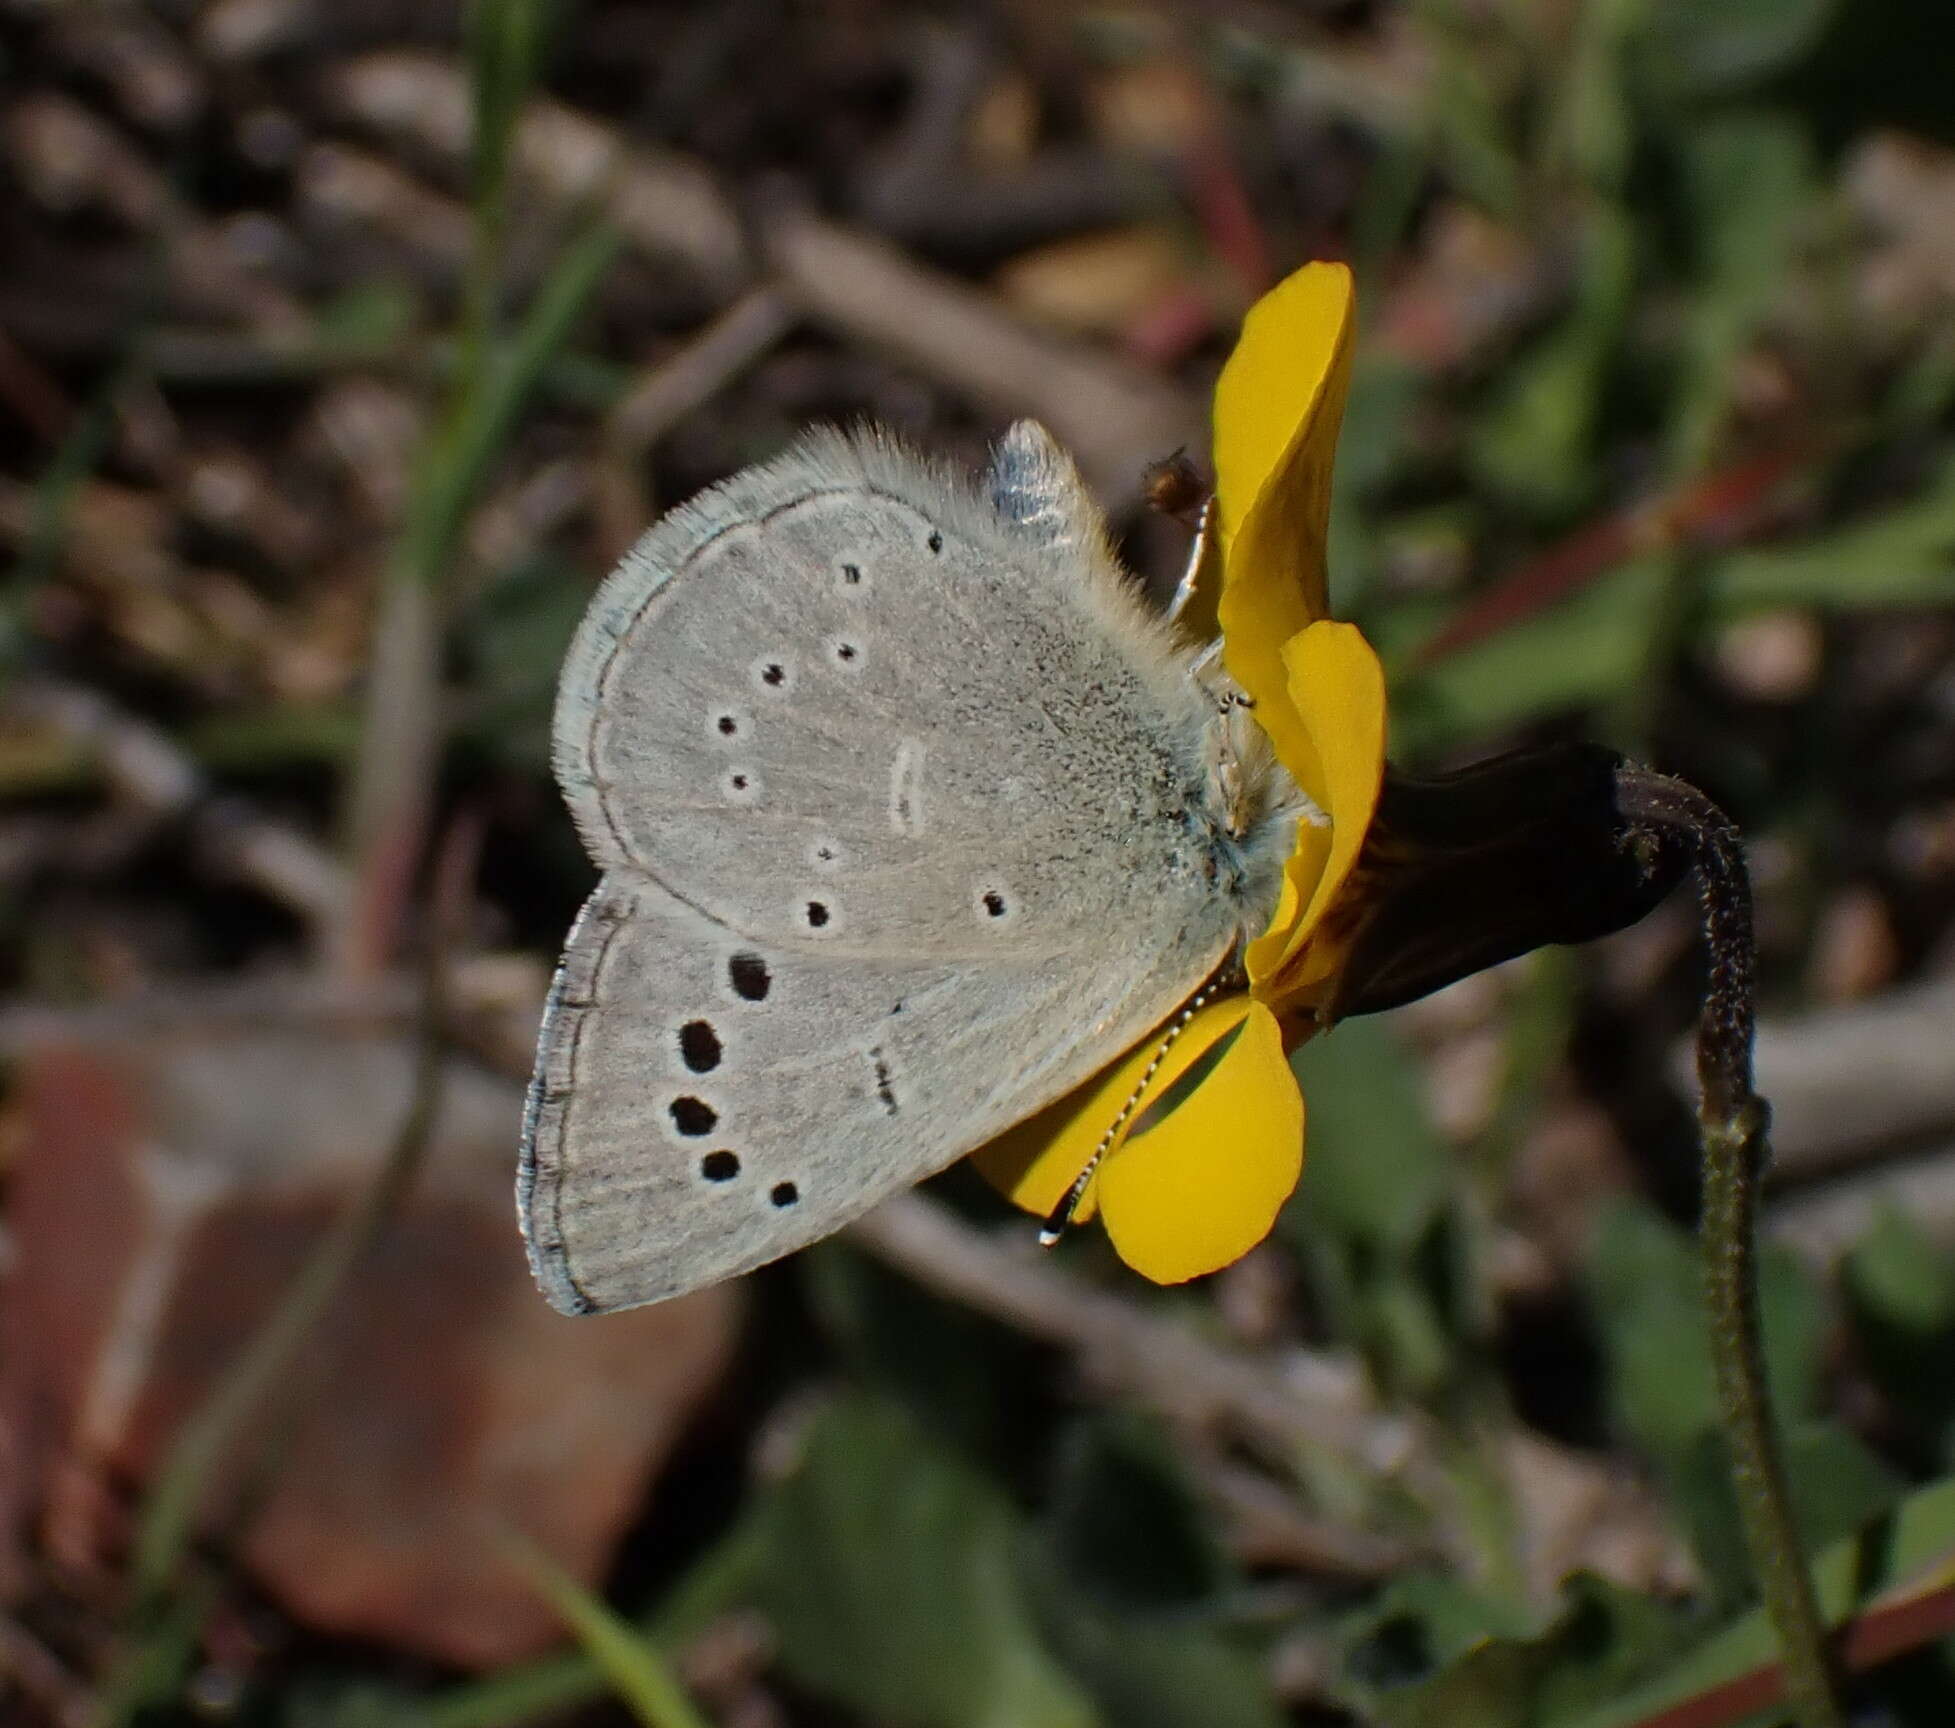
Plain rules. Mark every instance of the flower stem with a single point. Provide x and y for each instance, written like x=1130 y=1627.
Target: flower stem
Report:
x=1667 y=815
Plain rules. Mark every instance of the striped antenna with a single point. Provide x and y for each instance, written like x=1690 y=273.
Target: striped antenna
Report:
x=1060 y=1218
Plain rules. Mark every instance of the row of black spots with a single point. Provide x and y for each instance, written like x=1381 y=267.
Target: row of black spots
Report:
x=853 y=574
x=739 y=785
x=701 y=1051
x=773 y=675
x=724 y=1166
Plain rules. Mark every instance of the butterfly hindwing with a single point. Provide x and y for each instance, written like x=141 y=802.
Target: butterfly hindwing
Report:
x=701 y=1107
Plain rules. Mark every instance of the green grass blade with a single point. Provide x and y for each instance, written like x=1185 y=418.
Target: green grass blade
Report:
x=488 y=406
x=631 y=1662
x=718 y=1580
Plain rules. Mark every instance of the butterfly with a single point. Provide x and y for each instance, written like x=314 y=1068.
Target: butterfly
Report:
x=911 y=816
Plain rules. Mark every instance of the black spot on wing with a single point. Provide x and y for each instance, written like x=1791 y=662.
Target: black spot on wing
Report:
x=693 y=1117
x=699 y=1046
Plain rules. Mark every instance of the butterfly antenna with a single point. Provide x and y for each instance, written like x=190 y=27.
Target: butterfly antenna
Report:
x=1060 y=1218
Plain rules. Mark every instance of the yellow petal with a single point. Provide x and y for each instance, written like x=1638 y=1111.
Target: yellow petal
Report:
x=1337 y=689
x=1199 y=1187
x=1038 y=1161
x=1278 y=405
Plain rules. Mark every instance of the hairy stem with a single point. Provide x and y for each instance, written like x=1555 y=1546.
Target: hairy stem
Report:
x=1732 y=1123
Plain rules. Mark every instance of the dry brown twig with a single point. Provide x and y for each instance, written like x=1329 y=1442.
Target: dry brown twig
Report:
x=1114 y=418
x=1845 y=1081
x=1863 y=1117
x=665 y=203
x=692 y=375
x=148 y=769
x=1286 y=1408
x=1269 y=1527
x=1298 y=1410
x=683 y=382
x=70 y=157
x=1826 y=1222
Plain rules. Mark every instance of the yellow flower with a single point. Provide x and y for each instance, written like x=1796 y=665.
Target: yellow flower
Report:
x=1214 y=1144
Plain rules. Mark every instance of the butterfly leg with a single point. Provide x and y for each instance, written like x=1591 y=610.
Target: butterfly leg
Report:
x=1201 y=569
x=1226 y=746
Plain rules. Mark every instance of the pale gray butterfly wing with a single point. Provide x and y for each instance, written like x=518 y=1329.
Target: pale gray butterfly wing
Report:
x=794 y=1093
x=898 y=794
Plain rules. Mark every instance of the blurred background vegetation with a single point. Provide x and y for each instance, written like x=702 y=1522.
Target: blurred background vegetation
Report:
x=344 y=346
